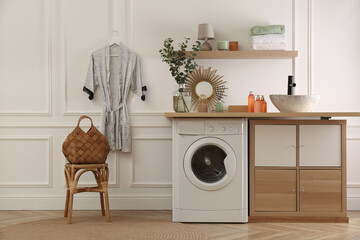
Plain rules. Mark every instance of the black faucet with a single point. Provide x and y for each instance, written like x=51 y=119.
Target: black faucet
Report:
x=291 y=85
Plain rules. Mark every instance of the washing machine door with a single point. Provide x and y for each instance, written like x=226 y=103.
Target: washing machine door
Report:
x=210 y=163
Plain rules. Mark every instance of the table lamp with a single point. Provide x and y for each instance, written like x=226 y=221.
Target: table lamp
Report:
x=206 y=32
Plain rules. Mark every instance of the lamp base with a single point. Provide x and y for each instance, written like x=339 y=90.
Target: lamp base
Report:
x=205 y=46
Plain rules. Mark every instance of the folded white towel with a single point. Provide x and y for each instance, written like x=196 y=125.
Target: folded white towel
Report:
x=269 y=46
x=268 y=38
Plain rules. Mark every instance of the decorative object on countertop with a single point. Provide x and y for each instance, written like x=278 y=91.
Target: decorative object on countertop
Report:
x=182 y=99
x=202 y=107
x=206 y=82
x=234 y=46
x=219 y=107
x=291 y=85
x=206 y=32
x=251 y=101
x=181 y=66
x=238 y=108
x=263 y=104
x=89 y=147
x=257 y=104
x=223 y=45
x=270 y=37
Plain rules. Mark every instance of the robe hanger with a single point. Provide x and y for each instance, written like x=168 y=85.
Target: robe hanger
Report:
x=114 y=41
x=114 y=38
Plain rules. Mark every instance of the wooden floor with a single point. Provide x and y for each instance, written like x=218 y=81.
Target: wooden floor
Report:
x=257 y=231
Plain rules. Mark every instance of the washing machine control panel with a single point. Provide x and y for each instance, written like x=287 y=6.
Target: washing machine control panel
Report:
x=222 y=127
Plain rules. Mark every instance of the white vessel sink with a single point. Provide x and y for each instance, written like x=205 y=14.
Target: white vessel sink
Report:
x=294 y=103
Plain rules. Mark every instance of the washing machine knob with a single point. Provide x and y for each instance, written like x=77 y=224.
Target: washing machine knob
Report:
x=230 y=129
x=211 y=128
x=224 y=129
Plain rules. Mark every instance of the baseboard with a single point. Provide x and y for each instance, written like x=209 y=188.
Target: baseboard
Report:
x=297 y=219
x=87 y=203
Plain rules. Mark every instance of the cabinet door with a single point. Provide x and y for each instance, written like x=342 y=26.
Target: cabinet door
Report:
x=275 y=190
x=320 y=145
x=275 y=145
x=320 y=190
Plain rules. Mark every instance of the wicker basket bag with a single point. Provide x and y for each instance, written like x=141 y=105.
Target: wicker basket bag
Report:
x=86 y=147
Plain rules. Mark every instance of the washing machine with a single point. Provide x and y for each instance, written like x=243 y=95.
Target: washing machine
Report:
x=209 y=164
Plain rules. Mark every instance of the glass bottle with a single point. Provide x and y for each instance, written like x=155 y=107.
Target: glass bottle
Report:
x=182 y=99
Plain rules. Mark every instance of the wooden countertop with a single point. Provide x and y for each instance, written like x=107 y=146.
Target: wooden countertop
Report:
x=262 y=115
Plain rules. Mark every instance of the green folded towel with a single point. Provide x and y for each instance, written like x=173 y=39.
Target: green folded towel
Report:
x=270 y=29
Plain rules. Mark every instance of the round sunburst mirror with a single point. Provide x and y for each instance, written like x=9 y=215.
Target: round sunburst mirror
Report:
x=206 y=84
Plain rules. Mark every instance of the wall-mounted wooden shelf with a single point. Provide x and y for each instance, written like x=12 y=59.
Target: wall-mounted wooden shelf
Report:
x=245 y=54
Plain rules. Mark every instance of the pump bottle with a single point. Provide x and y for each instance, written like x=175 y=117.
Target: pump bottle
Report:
x=251 y=100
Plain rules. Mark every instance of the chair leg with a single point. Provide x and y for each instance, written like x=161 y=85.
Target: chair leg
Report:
x=102 y=204
x=67 y=179
x=107 y=206
x=70 y=206
x=67 y=203
x=72 y=189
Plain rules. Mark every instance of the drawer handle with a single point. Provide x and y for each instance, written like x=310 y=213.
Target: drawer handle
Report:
x=293 y=190
x=302 y=145
x=302 y=190
x=293 y=146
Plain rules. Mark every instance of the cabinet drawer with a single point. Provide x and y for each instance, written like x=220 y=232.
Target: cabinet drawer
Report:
x=275 y=190
x=320 y=190
x=275 y=145
x=320 y=145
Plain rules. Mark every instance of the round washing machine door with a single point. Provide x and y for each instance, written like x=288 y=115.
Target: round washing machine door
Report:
x=210 y=163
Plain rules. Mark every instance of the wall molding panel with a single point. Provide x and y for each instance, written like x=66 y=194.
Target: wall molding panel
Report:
x=147 y=184
x=64 y=61
x=49 y=174
x=47 y=5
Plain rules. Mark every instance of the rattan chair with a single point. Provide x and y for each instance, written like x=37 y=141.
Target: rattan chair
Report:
x=72 y=176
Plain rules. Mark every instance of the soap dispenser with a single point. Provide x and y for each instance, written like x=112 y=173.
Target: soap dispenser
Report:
x=251 y=100
x=257 y=104
x=263 y=104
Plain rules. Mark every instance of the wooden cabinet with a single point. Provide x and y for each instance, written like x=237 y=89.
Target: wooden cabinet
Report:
x=297 y=170
x=320 y=145
x=275 y=145
x=275 y=190
x=320 y=190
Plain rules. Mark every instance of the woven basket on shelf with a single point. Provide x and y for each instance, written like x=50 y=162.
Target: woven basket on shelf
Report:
x=86 y=147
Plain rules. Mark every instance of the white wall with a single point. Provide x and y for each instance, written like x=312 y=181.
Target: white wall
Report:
x=44 y=58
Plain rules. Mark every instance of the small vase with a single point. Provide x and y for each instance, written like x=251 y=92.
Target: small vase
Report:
x=219 y=106
x=182 y=99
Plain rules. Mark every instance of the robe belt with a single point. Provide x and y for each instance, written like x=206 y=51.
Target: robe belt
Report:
x=111 y=113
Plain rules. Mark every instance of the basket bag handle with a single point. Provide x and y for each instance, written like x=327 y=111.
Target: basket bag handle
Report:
x=81 y=118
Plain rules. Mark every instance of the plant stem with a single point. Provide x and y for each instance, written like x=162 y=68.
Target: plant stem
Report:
x=186 y=109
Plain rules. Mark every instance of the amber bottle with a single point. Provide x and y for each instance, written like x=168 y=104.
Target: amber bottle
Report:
x=257 y=104
x=263 y=104
x=251 y=100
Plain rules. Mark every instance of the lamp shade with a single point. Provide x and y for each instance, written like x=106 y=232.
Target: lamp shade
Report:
x=206 y=31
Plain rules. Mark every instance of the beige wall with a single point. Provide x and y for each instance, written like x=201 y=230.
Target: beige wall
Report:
x=43 y=61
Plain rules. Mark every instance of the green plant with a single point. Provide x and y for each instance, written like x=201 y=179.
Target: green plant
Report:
x=181 y=66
